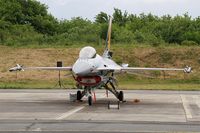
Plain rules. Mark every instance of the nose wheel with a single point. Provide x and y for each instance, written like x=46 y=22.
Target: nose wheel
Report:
x=90 y=100
x=79 y=95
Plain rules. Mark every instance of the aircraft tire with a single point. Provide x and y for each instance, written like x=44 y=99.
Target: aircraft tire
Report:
x=79 y=95
x=121 y=96
x=89 y=100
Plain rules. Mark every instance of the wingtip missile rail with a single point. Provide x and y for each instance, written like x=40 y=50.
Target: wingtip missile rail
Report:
x=16 y=68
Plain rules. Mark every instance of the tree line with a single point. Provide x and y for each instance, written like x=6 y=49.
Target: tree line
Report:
x=24 y=22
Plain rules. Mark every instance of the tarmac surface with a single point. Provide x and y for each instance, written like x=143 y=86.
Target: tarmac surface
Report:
x=143 y=111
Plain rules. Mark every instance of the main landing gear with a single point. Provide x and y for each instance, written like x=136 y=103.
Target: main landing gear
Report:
x=119 y=95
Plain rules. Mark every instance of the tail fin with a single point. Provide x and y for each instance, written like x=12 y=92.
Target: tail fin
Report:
x=107 y=52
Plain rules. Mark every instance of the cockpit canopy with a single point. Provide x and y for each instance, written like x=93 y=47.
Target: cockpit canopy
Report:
x=87 y=53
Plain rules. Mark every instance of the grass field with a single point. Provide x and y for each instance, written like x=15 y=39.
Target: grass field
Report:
x=135 y=55
x=165 y=85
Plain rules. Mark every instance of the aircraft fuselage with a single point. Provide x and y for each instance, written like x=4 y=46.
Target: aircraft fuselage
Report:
x=86 y=72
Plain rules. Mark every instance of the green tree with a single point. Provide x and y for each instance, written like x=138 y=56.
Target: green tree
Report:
x=102 y=17
x=28 y=12
x=119 y=17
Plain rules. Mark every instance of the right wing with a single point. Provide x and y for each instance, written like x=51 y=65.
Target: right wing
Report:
x=22 y=68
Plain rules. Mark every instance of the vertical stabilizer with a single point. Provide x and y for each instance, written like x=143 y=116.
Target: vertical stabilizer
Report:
x=107 y=52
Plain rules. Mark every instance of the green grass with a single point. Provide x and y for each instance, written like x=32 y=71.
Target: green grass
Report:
x=145 y=84
x=180 y=87
x=35 y=84
x=160 y=85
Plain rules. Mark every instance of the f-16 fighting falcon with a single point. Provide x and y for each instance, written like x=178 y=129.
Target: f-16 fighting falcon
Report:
x=93 y=71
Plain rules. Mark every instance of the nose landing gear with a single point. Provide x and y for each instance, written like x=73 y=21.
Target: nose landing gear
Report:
x=86 y=92
x=89 y=94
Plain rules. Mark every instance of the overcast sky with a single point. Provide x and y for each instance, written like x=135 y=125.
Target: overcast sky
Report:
x=66 y=9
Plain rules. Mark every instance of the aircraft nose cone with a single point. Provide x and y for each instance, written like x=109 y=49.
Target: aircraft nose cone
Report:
x=81 y=68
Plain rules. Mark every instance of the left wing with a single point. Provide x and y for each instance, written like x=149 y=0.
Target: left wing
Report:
x=133 y=69
x=186 y=69
x=22 y=68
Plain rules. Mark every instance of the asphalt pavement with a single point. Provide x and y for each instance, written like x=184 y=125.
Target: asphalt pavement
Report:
x=144 y=111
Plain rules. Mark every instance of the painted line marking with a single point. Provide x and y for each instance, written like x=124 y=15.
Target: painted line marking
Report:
x=101 y=96
x=36 y=130
x=186 y=106
x=197 y=100
x=71 y=112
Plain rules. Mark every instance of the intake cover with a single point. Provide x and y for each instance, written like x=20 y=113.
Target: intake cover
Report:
x=88 y=80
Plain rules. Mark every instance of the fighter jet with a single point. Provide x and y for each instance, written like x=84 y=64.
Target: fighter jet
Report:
x=92 y=71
